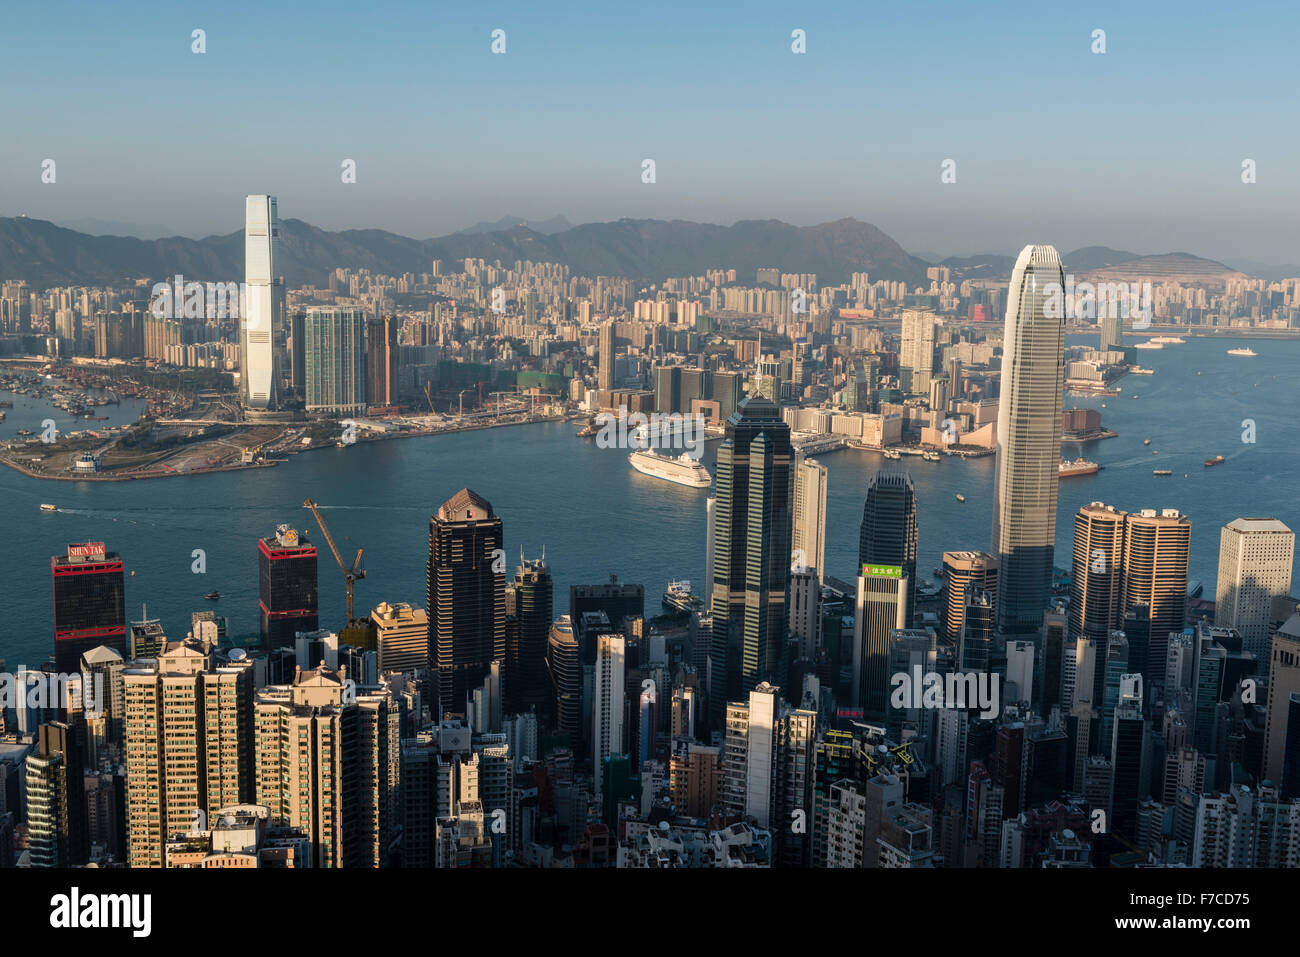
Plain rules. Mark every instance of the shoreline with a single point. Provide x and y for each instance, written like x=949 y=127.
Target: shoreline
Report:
x=266 y=464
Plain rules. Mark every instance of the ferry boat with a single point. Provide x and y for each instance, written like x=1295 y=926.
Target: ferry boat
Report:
x=930 y=456
x=1138 y=370
x=1168 y=340
x=960 y=497
x=1161 y=472
x=1077 y=467
x=679 y=598
x=683 y=470
x=1149 y=344
x=45 y=507
x=1217 y=460
x=893 y=454
x=212 y=595
x=1242 y=352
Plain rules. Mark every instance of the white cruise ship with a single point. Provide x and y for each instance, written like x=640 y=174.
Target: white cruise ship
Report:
x=1149 y=344
x=683 y=469
x=1242 y=352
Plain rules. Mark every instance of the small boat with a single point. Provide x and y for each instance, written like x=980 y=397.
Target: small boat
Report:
x=212 y=595
x=1146 y=441
x=1161 y=472
x=46 y=507
x=1242 y=352
x=960 y=497
x=1217 y=460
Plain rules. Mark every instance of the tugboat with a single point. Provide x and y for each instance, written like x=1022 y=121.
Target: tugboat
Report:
x=1217 y=460
x=212 y=595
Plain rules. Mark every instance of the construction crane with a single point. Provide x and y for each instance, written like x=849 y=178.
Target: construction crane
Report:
x=350 y=575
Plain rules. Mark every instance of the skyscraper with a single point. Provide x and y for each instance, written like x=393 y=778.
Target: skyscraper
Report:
x=916 y=352
x=564 y=664
x=381 y=360
x=888 y=532
x=607 y=707
x=287 y=595
x=188 y=745
x=605 y=364
x=401 y=637
x=260 y=318
x=335 y=360
x=55 y=796
x=328 y=759
x=962 y=570
x=1029 y=438
x=526 y=681
x=1156 y=550
x=89 y=603
x=751 y=561
x=810 y=514
x=881 y=608
x=1097 y=577
x=1255 y=556
x=1112 y=328
x=466 y=596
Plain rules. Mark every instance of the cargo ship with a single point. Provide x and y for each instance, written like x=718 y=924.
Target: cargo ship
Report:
x=1217 y=460
x=1077 y=467
x=1242 y=352
x=682 y=470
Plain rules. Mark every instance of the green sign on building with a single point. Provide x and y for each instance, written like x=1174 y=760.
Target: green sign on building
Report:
x=882 y=571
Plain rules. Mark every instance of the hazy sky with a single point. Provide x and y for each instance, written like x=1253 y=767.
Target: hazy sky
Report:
x=1140 y=148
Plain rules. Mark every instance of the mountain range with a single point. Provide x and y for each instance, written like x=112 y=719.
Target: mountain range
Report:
x=645 y=250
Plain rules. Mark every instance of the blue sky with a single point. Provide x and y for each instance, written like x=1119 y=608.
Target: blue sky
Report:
x=1139 y=148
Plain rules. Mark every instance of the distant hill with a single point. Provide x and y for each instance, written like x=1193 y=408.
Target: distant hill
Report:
x=642 y=249
x=547 y=227
x=1095 y=257
x=1174 y=267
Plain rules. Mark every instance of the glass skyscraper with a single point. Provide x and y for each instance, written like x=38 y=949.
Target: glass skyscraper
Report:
x=888 y=532
x=1029 y=438
x=751 y=563
x=261 y=306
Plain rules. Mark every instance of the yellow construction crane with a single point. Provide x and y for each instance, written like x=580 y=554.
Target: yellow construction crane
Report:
x=350 y=575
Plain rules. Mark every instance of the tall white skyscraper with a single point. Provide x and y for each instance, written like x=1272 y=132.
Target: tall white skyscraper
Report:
x=1255 y=556
x=710 y=531
x=809 y=538
x=607 y=703
x=1029 y=438
x=260 y=310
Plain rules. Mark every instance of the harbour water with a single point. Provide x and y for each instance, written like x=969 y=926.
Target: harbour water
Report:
x=596 y=516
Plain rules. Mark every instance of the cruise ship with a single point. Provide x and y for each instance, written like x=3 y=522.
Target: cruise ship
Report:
x=683 y=469
x=1149 y=344
x=1077 y=467
x=1242 y=352
x=1168 y=340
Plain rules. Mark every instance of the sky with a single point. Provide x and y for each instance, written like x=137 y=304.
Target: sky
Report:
x=1139 y=148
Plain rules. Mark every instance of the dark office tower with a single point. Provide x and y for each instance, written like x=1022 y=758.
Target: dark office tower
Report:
x=1156 y=549
x=298 y=352
x=381 y=361
x=888 y=532
x=527 y=685
x=960 y=570
x=287 y=595
x=1291 y=749
x=565 y=670
x=466 y=596
x=617 y=601
x=1137 y=630
x=56 y=797
x=1112 y=328
x=751 y=558
x=975 y=651
x=605 y=361
x=89 y=603
x=1117 y=666
x=1055 y=647
x=1029 y=438
x=1007 y=766
x=1131 y=757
